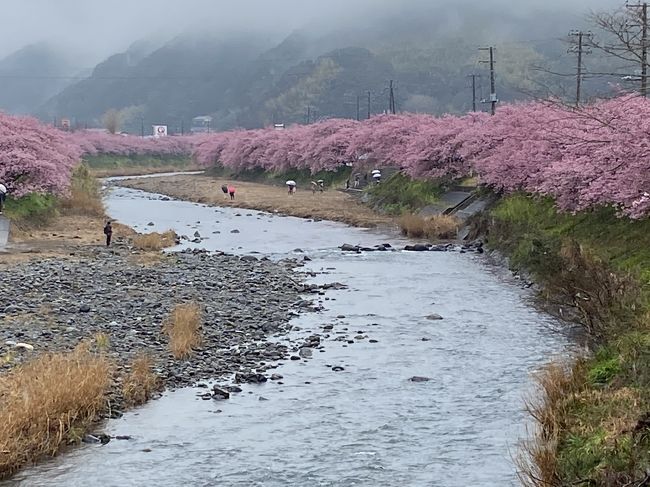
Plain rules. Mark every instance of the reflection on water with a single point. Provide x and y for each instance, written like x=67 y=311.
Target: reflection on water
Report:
x=367 y=425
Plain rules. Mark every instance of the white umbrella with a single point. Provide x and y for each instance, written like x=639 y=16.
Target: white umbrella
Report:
x=291 y=183
x=376 y=171
x=376 y=175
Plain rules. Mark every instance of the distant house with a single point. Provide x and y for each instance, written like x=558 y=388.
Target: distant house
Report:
x=201 y=124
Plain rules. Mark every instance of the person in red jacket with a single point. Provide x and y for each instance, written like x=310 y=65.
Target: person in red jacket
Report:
x=231 y=192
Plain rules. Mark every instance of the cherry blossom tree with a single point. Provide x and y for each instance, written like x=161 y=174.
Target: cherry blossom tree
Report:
x=35 y=157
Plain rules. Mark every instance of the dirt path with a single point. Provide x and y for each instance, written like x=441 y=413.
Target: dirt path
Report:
x=59 y=238
x=330 y=205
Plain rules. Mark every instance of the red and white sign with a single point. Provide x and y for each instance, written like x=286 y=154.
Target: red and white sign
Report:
x=160 y=130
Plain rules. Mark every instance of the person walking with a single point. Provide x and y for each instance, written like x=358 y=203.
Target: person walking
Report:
x=231 y=192
x=3 y=196
x=224 y=188
x=314 y=187
x=108 y=231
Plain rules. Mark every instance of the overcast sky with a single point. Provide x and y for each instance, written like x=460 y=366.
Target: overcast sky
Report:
x=102 y=27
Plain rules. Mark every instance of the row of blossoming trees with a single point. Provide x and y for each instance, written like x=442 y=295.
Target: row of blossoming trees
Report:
x=34 y=157
x=599 y=155
x=39 y=158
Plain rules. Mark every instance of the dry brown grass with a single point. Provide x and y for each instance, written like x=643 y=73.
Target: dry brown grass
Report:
x=557 y=383
x=141 y=383
x=45 y=400
x=330 y=205
x=183 y=327
x=83 y=203
x=155 y=241
x=436 y=227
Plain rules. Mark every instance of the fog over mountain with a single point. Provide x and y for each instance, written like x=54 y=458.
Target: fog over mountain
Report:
x=252 y=62
x=98 y=29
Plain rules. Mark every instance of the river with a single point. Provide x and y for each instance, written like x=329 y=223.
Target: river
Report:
x=365 y=425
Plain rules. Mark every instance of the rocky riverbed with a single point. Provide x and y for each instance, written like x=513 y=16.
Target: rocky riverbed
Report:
x=52 y=305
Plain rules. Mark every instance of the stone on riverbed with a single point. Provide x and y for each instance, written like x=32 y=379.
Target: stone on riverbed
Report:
x=417 y=378
x=350 y=248
x=241 y=313
x=434 y=317
x=418 y=247
x=219 y=394
x=306 y=352
x=250 y=378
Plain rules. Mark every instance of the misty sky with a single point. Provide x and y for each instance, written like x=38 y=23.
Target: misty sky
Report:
x=94 y=29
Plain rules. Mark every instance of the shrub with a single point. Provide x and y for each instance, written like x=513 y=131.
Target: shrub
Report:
x=33 y=209
x=155 y=241
x=183 y=327
x=45 y=400
x=141 y=383
x=434 y=227
x=84 y=198
x=400 y=193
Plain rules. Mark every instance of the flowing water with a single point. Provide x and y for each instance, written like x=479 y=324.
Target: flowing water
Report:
x=366 y=425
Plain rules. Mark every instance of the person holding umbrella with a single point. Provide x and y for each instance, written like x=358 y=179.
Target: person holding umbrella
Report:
x=3 y=196
x=292 y=186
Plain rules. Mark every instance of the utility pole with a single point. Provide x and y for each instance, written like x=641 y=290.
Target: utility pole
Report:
x=142 y=127
x=308 y=114
x=474 y=76
x=182 y=126
x=368 y=105
x=358 y=108
x=493 y=90
x=580 y=50
x=391 y=98
x=644 y=50
x=643 y=17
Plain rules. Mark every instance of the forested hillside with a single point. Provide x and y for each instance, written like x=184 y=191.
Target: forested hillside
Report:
x=251 y=81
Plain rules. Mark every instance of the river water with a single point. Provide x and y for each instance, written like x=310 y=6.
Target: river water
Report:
x=366 y=425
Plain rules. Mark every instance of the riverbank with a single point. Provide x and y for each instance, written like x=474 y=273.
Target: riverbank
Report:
x=331 y=205
x=475 y=328
x=101 y=297
x=75 y=313
x=593 y=268
x=103 y=166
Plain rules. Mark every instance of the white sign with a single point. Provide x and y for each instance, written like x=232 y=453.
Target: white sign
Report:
x=160 y=130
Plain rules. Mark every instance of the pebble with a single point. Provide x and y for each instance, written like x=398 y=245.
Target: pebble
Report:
x=129 y=302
